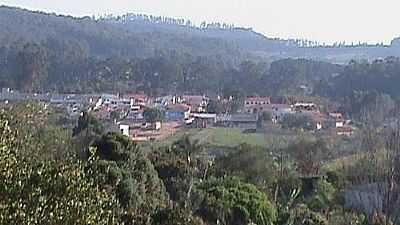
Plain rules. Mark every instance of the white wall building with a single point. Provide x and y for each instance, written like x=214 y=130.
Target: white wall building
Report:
x=124 y=129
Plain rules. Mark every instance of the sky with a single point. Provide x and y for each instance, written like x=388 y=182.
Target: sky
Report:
x=326 y=21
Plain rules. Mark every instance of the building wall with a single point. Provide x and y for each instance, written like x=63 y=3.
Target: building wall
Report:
x=339 y=124
x=124 y=129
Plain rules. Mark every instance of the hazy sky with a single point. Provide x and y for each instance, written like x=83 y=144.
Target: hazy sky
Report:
x=321 y=20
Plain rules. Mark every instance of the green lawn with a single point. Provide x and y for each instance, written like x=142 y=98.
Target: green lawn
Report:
x=229 y=137
x=347 y=161
x=225 y=137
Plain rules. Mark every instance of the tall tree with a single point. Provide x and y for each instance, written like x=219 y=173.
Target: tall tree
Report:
x=32 y=62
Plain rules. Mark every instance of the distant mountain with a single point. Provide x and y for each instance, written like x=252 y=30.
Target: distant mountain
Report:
x=173 y=31
x=245 y=38
x=18 y=25
x=101 y=39
x=134 y=35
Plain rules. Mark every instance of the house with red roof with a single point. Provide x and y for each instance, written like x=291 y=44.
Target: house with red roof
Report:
x=337 y=119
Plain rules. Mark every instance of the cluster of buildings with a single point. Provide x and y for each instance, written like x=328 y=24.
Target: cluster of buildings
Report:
x=126 y=113
x=278 y=111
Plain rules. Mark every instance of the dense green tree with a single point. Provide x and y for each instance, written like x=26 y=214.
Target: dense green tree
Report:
x=31 y=68
x=302 y=215
x=215 y=106
x=308 y=155
x=338 y=217
x=153 y=115
x=298 y=76
x=231 y=201
x=89 y=124
x=187 y=146
x=38 y=132
x=123 y=168
x=174 y=171
x=181 y=177
x=175 y=216
x=298 y=121
x=48 y=192
x=252 y=164
x=323 y=197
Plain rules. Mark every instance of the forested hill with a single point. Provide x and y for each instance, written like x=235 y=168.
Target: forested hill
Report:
x=171 y=31
x=48 y=52
x=92 y=38
x=133 y=35
x=100 y=39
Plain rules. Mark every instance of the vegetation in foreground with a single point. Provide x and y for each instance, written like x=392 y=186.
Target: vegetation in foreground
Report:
x=97 y=178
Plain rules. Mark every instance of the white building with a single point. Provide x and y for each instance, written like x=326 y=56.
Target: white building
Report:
x=124 y=129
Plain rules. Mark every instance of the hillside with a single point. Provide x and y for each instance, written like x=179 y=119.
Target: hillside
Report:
x=176 y=29
x=97 y=39
x=172 y=32
x=142 y=36
x=100 y=39
x=158 y=55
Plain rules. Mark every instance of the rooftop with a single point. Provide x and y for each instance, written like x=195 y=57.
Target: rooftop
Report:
x=238 y=118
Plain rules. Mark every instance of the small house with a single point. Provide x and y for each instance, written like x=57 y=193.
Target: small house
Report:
x=124 y=128
x=135 y=115
x=204 y=120
x=336 y=120
x=242 y=121
x=198 y=103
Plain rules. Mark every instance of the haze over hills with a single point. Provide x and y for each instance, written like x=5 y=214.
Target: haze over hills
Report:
x=251 y=41
x=140 y=36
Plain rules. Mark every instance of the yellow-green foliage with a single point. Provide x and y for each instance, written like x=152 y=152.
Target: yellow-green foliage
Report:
x=46 y=192
x=230 y=200
x=301 y=215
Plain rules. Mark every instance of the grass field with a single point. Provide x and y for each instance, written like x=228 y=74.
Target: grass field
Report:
x=226 y=137
x=347 y=161
x=229 y=137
